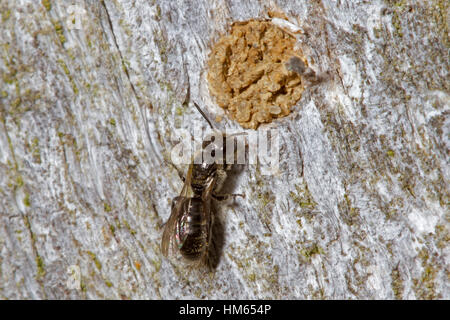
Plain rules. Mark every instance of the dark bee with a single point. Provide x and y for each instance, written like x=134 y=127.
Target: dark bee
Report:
x=188 y=229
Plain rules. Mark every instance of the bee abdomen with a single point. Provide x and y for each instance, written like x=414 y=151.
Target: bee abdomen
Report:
x=193 y=233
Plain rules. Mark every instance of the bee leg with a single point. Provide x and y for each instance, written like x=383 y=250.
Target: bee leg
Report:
x=221 y=177
x=222 y=197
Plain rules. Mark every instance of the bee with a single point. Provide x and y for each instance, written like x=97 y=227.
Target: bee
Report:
x=188 y=229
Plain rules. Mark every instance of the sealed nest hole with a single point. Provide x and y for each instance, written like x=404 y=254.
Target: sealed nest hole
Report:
x=254 y=72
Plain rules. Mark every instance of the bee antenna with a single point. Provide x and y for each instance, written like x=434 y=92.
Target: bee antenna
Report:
x=204 y=116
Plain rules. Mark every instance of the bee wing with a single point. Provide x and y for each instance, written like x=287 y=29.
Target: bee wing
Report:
x=185 y=192
x=206 y=197
x=171 y=225
x=209 y=188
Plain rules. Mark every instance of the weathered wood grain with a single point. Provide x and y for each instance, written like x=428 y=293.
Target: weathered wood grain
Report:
x=88 y=102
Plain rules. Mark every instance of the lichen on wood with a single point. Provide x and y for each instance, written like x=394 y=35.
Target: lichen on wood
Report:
x=357 y=210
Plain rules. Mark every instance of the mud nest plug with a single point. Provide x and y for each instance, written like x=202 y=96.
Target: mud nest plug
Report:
x=255 y=73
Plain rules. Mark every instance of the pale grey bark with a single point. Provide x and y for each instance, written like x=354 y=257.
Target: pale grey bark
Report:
x=359 y=209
